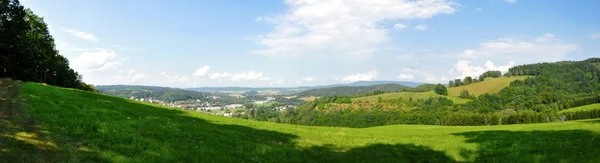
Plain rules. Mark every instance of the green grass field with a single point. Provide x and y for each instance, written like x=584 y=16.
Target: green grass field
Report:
x=63 y=125
x=487 y=86
x=407 y=95
x=582 y=108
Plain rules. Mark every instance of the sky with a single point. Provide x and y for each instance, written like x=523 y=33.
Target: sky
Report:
x=289 y=43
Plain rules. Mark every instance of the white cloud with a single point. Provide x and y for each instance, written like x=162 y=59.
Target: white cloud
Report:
x=407 y=73
x=511 y=1
x=276 y=82
x=543 y=48
x=202 y=71
x=127 y=76
x=348 y=28
x=478 y=9
x=464 y=68
x=177 y=80
x=81 y=34
x=308 y=79
x=97 y=60
x=421 y=27
x=409 y=70
x=595 y=35
x=218 y=75
x=406 y=76
x=399 y=26
x=252 y=75
x=367 y=76
x=433 y=79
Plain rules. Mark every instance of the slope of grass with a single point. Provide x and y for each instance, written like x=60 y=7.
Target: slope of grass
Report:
x=487 y=86
x=76 y=126
x=407 y=95
x=582 y=108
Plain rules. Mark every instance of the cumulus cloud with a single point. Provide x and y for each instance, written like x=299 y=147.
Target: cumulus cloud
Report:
x=421 y=27
x=349 y=28
x=81 y=34
x=511 y=1
x=219 y=75
x=406 y=76
x=97 y=60
x=366 y=76
x=407 y=73
x=246 y=76
x=545 y=47
x=434 y=79
x=399 y=26
x=464 y=68
x=595 y=35
x=177 y=80
x=202 y=71
x=252 y=75
x=127 y=76
x=308 y=79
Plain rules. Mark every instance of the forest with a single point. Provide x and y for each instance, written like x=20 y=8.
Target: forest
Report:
x=551 y=88
x=28 y=52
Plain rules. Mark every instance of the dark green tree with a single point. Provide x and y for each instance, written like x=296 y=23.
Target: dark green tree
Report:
x=441 y=89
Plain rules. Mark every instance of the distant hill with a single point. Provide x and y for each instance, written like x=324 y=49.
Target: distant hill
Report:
x=293 y=90
x=158 y=93
x=351 y=90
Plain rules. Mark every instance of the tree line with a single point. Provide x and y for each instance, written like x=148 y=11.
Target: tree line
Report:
x=28 y=52
x=470 y=80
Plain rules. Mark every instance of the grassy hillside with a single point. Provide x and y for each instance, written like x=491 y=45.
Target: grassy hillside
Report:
x=582 y=108
x=487 y=86
x=63 y=125
x=407 y=95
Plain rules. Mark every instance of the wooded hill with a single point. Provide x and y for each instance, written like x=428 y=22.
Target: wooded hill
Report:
x=352 y=90
x=158 y=93
x=28 y=52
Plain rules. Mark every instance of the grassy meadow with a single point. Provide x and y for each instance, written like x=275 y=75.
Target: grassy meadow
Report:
x=493 y=85
x=64 y=125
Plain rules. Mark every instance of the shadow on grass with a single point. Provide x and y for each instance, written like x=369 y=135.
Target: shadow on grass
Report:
x=534 y=146
x=111 y=129
x=22 y=139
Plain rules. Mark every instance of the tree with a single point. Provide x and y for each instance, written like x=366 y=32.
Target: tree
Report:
x=451 y=83
x=28 y=52
x=441 y=89
x=465 y=94
x=457 y=82
x=468 y=80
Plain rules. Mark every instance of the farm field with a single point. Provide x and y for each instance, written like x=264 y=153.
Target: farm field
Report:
x=407 y=95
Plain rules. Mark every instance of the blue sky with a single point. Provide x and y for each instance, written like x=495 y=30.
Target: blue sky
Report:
x=313 y=42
